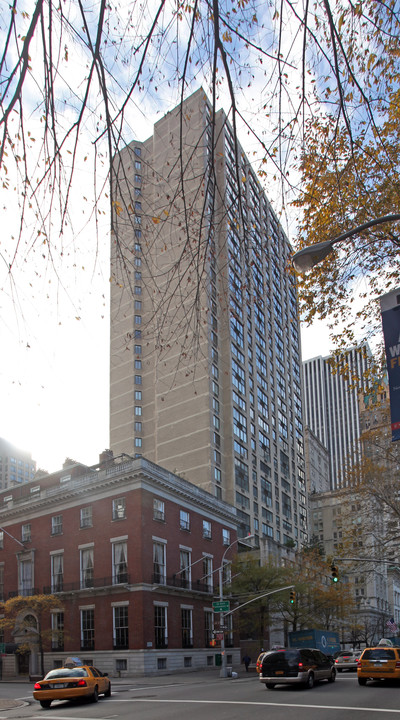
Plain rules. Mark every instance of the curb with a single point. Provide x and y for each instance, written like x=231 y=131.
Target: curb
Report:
x=11 y=704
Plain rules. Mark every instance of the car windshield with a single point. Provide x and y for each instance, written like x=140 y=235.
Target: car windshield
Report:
x=379 y=654
x=66 y=672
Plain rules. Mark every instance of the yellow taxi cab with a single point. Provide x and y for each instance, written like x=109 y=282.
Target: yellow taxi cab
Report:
x=259 y=661
x=379 y=663
x=70 y=683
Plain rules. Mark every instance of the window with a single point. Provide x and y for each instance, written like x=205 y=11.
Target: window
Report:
x=138 y=442
x=120 y=628
x=120 y=562
x=138 y=394
x=208 y=572
x=187 y=632
x=86 y=517
x=138 y=319
x=26 y=533
x=1 y=539
x=159 y=568
x=208 y=628
x=160 y=626
x=138 y=364
x=57 y=572
x=121 y=665
x=57 y=631
x=87 y=567
x=56 y=525
x=1 y=583
x=26 y=577
x=87 y=629
x=158 y=509
x=207 y=529
x=138 y=410
x=138 y=379
x=118 y=509
x=184 y=520
x=226 y=536
x=184 y=574
x=138 y=427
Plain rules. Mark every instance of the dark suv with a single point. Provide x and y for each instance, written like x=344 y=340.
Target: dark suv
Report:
x=302 y=666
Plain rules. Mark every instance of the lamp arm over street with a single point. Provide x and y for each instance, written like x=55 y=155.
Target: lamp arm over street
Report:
x=272 y=592
x=311 y=255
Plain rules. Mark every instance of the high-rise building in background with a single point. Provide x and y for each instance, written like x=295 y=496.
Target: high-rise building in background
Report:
x=205 y=350
x=331 y=407
x=16 y=466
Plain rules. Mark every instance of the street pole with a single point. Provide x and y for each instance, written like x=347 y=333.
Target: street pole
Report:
x=223 y=672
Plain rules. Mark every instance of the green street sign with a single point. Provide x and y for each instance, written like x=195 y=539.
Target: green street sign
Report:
x=221 y=606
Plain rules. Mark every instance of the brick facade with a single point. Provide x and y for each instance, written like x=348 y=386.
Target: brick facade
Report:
x=131 y=550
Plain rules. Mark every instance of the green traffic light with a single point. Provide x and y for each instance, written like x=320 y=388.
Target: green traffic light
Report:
x=334 y=573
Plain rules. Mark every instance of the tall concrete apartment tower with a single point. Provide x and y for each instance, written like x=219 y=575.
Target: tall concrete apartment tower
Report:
x=16 y=466
x=205 y=348
x=331 y=407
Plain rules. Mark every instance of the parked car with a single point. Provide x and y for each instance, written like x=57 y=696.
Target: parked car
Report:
x=70 y=683
x=301 y=666
x=379 y=663
x=347 y=660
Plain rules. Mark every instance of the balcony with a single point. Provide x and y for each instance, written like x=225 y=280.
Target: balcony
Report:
x=92 y=584
x=177 y=581
x=114 y=581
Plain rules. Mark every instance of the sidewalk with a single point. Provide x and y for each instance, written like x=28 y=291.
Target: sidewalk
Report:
x=10 y=704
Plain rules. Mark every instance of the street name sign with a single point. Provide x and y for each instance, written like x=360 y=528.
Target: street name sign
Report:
x=221 y=606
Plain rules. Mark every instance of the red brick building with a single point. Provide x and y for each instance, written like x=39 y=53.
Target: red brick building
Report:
x=132 y=551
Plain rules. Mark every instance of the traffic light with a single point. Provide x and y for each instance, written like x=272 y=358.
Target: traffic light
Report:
x=334 y=573
x=292 y=597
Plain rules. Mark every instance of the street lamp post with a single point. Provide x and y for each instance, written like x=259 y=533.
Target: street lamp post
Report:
x=305 y=259
x=224 y=672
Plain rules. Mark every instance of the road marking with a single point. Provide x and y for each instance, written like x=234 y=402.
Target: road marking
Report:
x=263 y=704
x=156 y=687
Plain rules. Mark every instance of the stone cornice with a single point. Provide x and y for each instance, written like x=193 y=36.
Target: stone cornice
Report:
x=127 y=475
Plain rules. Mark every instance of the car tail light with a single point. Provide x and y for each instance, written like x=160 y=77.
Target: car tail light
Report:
x=37 y=686
x=336 y=660
x=359 y=663
x=397 y=663
x=81 y=683
x=300 y=665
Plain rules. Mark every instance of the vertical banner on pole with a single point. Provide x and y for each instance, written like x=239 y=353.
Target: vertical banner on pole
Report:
x=390 y=310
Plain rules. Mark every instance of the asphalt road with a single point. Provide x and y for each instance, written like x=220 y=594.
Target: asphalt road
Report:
x=204 y=696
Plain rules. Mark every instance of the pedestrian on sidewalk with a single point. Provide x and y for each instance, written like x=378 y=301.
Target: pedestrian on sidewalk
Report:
x=247 y=661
